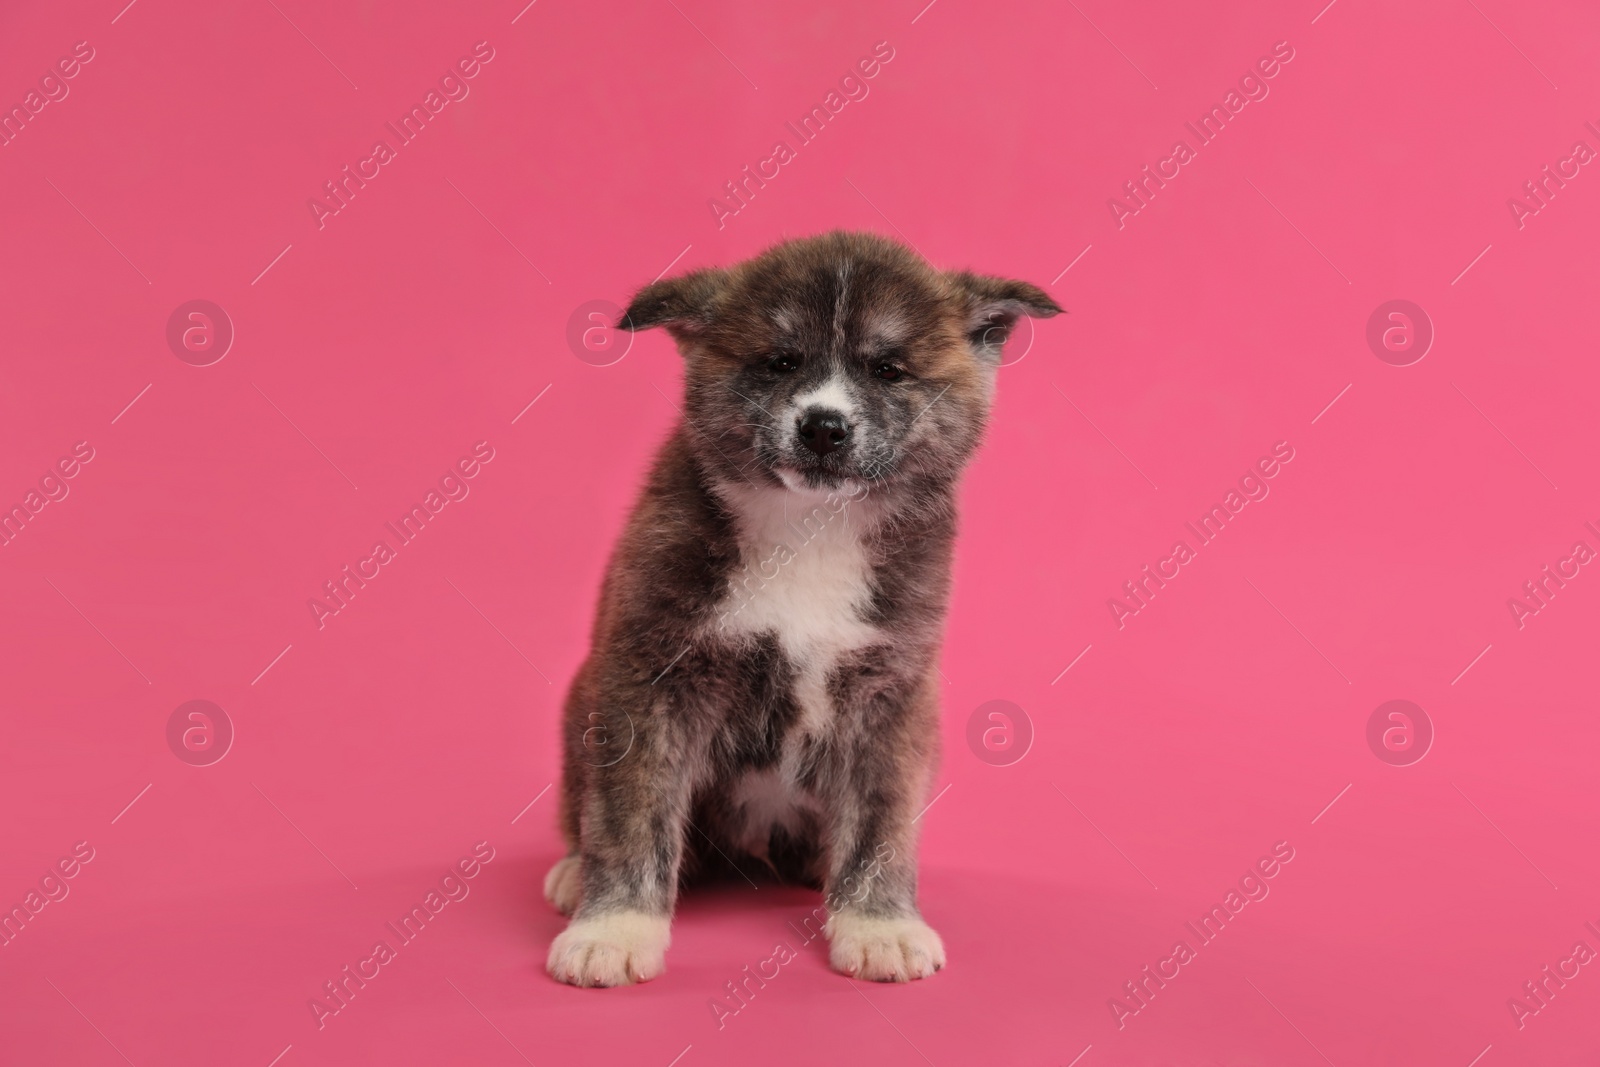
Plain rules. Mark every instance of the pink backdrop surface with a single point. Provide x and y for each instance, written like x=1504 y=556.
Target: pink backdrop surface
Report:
x=1220 y=314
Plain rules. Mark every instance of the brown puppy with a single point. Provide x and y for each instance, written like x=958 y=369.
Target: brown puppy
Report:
x=761 y=685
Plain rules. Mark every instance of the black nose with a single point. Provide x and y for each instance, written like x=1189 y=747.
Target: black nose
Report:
x=824 y=431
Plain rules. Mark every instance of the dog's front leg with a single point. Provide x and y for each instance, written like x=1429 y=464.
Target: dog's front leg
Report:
x=633 y=815
x=874 y=929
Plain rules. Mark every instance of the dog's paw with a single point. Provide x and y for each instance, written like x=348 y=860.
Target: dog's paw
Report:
x=883 y=950
x=564 y=884
x=610 y=950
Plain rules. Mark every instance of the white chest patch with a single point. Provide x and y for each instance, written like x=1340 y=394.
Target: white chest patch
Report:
x=806 y=580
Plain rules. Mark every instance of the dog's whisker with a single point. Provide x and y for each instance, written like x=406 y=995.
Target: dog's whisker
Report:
x=741 y=426
x=736 y=392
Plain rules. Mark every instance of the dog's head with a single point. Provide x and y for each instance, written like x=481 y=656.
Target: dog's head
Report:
x=838 y=360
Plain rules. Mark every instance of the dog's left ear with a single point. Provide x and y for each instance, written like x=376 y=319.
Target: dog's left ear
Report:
x=684 y=305
x=993 y=306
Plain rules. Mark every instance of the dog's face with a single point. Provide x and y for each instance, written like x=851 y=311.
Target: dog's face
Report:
x=836 y=361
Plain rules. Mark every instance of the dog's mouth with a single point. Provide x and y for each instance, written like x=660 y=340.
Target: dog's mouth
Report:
x=814 y=478
x=830 y=475
x=798 y=470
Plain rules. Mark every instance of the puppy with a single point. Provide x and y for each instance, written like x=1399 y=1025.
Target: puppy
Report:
x=761 y=687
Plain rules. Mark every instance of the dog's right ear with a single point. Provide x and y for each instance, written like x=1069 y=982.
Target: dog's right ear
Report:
x=684 y=305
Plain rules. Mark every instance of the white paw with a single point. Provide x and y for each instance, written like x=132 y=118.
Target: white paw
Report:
x=608 y=950
x=564 y=884
x=883 y=950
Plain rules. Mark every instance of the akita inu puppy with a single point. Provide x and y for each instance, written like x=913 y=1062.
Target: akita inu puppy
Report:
x=762 y=687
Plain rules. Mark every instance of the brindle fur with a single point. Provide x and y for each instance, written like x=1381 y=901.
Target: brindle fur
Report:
x=673 y=707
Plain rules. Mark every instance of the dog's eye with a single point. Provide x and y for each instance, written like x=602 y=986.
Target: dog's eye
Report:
x=888 y=372
x=783 y=363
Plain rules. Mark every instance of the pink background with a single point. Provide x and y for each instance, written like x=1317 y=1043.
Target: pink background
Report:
x=375 y=351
